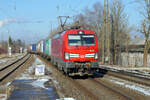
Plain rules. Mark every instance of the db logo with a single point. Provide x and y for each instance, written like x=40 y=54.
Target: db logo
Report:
x=82 y=56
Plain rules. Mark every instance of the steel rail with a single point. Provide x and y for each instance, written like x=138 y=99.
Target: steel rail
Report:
x=133 y=79
x=5 y=67
x=85 y=91
x=112 y=89
x=132 y=74
x=9 y=72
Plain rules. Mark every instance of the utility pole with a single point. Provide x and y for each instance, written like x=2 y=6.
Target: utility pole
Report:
x=9 y=48
x=62 y=24
x=112 y=38
x=8 y=39
x=108 y=34
x=103 y=33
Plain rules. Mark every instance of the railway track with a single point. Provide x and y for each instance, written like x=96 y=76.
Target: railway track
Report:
x=84 y=89
x=14 y=55
x=132 y=77
x=7 y=70
x=101 y=89
x=118 y=92
x=93 y=89
x=88 y=95
x=135 y=73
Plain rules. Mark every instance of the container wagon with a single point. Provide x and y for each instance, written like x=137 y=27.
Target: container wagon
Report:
x=38 y=47
x=32 y=48
x=48 y=48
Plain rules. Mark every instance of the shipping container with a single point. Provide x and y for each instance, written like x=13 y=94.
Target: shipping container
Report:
x=33 y=47
x=41 y=46
x=29 y=48
x=48 y=47
x=38 y=47
x=44 y=46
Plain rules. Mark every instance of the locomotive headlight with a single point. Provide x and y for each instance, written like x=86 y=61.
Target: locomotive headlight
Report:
x=67 y=56
x=80 y=32
x=96 y=56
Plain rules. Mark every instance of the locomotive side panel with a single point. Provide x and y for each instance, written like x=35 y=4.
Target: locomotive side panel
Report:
x=56 y=49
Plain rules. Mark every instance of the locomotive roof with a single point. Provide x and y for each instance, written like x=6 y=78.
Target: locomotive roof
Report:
x=74 y=31
x=86 y=31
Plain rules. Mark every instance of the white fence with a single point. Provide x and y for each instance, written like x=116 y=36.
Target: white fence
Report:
x=133 y=59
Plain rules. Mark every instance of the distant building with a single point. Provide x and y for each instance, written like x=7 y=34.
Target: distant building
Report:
x=3 y=47
x=137 y=45
x=134 y=56
x=137 y=41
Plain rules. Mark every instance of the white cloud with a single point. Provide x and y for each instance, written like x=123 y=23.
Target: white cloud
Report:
x=5 y=21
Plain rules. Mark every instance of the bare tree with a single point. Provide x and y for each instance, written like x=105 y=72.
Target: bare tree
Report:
x=119 y=30
x=110 y=25
x=106 y=33
x=92 y=19
x=146 y=29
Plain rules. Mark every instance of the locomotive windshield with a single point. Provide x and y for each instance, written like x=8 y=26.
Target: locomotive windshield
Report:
x=81 y=40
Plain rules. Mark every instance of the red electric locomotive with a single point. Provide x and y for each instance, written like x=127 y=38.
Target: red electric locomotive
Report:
x=75 y=52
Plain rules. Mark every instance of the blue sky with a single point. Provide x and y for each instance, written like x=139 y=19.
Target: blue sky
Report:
x=31 y=20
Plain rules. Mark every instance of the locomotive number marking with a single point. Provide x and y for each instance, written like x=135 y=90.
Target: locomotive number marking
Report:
x=82 y=56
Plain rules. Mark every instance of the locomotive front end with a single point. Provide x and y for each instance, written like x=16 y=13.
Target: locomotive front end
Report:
x=81 y=53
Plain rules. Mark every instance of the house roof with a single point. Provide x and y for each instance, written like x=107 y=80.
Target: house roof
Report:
x=137 y=41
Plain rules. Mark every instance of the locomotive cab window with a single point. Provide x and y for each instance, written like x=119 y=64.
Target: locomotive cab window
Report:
x=81 y=40
x=74 y=40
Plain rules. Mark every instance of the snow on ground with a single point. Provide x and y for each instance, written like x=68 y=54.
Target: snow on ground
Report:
x=10 y=59
x=137 y=87
x=140 y=71
x=3 y=96
x=65 y=99
x=132 y=69
x=4 y=60
x=8 y=84
x=39 y=83
x=29 y=73
x=39 y=80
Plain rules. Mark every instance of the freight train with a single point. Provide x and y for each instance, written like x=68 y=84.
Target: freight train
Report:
x=74 y=51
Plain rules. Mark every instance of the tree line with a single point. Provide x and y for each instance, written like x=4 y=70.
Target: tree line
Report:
x=110 y=22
